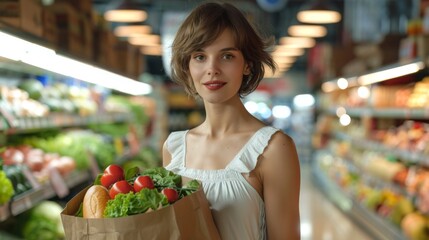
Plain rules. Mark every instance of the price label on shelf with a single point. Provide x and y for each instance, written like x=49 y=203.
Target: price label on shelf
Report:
x=4 y=211
x=10 y=119
x=30 y=177
x=58 y=184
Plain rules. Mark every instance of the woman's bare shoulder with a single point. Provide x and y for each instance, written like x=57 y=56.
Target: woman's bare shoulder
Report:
x=281 y=151
x=280 y=141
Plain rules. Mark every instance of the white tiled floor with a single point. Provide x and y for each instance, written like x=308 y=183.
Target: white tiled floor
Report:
x=320 y=218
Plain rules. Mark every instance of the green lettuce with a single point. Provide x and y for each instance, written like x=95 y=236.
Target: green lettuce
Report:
x=134 y=203
x=6 y=188
x=163 y=178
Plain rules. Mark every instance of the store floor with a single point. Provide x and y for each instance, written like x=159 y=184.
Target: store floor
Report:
x=320 y=218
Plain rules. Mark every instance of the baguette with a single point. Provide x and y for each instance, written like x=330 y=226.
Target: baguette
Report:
x=95 y=201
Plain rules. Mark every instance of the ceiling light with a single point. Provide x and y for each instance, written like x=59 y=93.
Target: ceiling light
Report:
x=145 y=40
x=319 y=12
x=298 y=42
x=151 y=50
x=282 y=59
x=132 y=30
x=287 y=52
x=127 y=11
x=390 y=73
x=307 y=31
x=17 y=49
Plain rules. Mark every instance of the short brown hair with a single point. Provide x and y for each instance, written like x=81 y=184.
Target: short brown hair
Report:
x=202 y=27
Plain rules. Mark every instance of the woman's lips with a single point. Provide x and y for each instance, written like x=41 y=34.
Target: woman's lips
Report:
x=214 y=85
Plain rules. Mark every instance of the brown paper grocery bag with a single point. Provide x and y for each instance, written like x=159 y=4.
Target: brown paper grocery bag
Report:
x=187 y=219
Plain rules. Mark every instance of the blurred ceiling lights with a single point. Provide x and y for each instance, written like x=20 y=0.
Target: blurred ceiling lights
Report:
x=18 y=49
x=307 y=31
x=284 y=51
x=319 y=12
x=374 y=77
x=127 y=11
x=145 y=40
x=132 y=30
x=280 y=60
x=151 y=50
x=298 y=42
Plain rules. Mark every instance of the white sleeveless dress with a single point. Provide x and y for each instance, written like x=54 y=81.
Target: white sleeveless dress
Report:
x=237 y=208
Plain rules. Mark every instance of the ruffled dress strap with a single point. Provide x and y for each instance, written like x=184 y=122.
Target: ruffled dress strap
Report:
x=176 y=147
x=246 y=160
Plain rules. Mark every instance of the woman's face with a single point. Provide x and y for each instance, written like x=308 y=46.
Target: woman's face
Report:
x=217 y=70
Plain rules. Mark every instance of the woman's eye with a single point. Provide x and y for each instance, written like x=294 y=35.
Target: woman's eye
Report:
x=199 y=57
x=228 y=56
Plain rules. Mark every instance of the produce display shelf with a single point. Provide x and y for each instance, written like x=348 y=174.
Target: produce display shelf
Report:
x=376 y=226
x=410 y=156
x=404 y=113
x=377 y=182
x=28 y=199
x=26 y=124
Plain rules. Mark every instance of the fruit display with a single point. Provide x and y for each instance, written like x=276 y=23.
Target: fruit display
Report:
x=117 y=193
x=388 y=200
x=18 y=102
x=379 y=159
x=37 y=161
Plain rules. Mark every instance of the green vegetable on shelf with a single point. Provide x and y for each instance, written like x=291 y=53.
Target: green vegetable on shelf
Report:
x=6 y=188
x=43 y=222
x=33 y=86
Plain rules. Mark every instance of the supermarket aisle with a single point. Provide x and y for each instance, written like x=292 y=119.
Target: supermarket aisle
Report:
x=320 y=218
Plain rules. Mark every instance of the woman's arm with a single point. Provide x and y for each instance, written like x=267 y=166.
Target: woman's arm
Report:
x=281 y=188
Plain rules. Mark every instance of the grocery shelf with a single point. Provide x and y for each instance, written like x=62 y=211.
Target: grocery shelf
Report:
x=26 y=124
x=378 y=227
x=404 y=155
x=28 y=199
x=402 y=113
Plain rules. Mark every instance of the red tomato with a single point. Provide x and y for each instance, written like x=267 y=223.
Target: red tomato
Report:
x=143 y=182
x=115 y=170
x=171 y=194
x=120 y=187
x=112 y=174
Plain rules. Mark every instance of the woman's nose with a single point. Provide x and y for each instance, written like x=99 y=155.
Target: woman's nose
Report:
x=213 y=68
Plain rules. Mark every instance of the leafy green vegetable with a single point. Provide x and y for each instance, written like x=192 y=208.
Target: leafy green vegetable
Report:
x=163 y=178
x=79 y=212
x=111 y=129
x=189 y=188
x=43 y=222
x=132 y=173
x=79 y=145
x=97 y=180
x=134 y=203
x=6 y=188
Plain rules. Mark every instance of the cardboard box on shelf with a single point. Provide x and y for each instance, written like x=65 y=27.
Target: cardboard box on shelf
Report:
x=10 y=12
x=50 y=30
x=134 y=62
x=74 y=30
x=23 y=14
x=67 y=24
x=188 y=218
x=87 y=38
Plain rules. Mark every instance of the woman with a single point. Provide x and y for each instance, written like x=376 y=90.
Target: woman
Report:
x=250 y=172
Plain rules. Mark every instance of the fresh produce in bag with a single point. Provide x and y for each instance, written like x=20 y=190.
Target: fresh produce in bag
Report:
x=149 y=204
x=119 y=194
